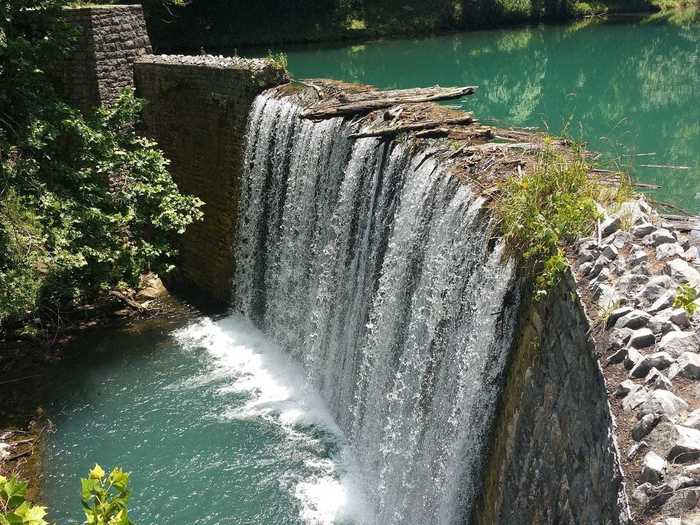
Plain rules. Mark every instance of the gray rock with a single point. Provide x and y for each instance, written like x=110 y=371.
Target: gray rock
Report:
x=679 y=317
x=653 y=468
x=611 y=252
x=637 y=257
x=645 y=425
x=619 y=239
x=661 y=323
x=692 y=254
x=661 y=402
x=670 y=521
x=655 y=288
x=662 y=493
x=610 y=225
x=688 y=366
x=693 y=421
x=687 y=446
x=617 y=357
x=616 y=314
x=641 y=338
x=635 y=449
x=585 y=268
x=634 y=320
x=663 y=302
x=643 y=229
x=662 y=236
x=668 y=250
x=657 y=380
x=600 y=263
x=659 y=360
x=633 y=357
x=604 y=276
x=677 y=343
x=626 y=387
x=634 y=399
x=587 y=255
x=642 y=494
x=683 y=272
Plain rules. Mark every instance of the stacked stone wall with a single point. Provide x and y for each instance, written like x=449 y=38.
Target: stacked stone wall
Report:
x=101 y=66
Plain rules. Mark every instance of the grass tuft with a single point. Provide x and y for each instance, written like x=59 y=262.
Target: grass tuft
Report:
x=542 y=210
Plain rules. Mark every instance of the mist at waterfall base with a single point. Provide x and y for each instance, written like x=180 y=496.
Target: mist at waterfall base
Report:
x=387 y=313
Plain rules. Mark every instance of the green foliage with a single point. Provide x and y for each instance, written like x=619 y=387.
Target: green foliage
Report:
x=278 y=59
x=105 y=498
x=14 y=508
x=686 y=296
x=85 y=203
x=542 y=210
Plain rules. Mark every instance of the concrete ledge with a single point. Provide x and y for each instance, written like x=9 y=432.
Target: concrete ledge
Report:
x=197 y=109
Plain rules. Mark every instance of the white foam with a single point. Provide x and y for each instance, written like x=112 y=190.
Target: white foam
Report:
x=244 y=361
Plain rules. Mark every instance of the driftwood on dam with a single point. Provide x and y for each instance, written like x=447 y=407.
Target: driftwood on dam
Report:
x=346 y=104
x=420 y=126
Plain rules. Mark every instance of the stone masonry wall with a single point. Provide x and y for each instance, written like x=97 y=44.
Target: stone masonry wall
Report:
x=197 y=109
x=110 y=40
x=553 y=458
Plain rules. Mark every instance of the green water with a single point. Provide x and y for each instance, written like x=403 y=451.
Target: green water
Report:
x=625 y=87
x=215 y=423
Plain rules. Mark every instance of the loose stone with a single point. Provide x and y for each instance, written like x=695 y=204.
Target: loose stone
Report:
x=657 y=380
x=669 y=250
x=680 y=318
x=678 y=343
x=688 y=366
x=662 y=236
x=663 y=302
x=693 y=421
x=661 y=402
x=634 y=319
x=642 y=338
x=653 y=468
x=626 y=387
x=616 y=314
x=637 y=257
x=610 y=225
x=683 y=272
x=643 y=229
x=644 y=426
x=659 y=360
x=633 y=357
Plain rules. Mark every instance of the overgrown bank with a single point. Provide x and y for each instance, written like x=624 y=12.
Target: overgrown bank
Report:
x=220 y=24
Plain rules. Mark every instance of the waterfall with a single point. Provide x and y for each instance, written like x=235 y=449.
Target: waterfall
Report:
x=377 y=271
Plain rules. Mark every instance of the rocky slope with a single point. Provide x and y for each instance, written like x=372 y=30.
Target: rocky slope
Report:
x=636 y=271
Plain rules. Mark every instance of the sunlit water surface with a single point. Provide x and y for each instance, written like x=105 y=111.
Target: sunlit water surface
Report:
x=629 y=88
x=215 y=423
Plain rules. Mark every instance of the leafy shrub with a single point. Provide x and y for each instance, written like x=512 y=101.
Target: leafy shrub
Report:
x=86 y=204
x=540 y=211
x=14 y=508
x=104 y=499
x=686 y=296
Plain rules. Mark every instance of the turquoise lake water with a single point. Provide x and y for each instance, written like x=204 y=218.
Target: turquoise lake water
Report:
x=215 y=423
x=626 y=87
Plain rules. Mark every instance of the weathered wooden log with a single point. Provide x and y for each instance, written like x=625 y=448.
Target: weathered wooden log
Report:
x=419 y=126
x=433 y=133
x=375 y=100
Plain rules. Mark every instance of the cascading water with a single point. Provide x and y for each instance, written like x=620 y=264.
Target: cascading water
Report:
x=375 y=270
